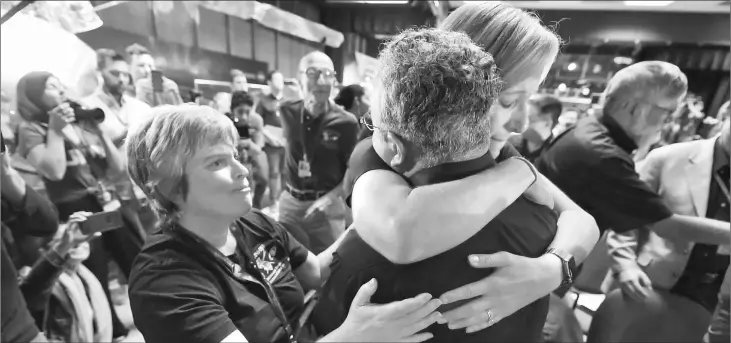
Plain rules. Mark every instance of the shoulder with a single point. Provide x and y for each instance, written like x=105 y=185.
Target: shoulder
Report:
x=680 y=150
x=291 y=105
x=343 y=115
x=256 y=119
x=262 y=226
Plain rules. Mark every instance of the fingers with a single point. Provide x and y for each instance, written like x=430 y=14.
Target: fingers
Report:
x=398 y=309
x=468 y=310
x=645 y=281
x=476 y=322
x=363 y=297
x=418 y=338
x=500 y=259
x=424 y=323
x=423 y=312
x=466 y=292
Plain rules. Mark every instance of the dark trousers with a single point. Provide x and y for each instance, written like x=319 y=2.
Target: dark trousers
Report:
x=122 y=245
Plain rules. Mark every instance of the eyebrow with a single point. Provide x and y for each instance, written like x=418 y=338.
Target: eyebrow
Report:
x=215 y=156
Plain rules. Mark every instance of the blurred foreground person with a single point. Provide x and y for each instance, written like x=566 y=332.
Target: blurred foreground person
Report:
x=319 y=139
x=219 y=271
x=692 y=178
x=23 y=212
x=410 y=223
x=438 y=135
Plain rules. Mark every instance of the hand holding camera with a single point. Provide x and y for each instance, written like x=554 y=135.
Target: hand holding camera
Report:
x=60 y=116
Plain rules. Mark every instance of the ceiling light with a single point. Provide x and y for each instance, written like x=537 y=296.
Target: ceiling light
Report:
x=648 y=3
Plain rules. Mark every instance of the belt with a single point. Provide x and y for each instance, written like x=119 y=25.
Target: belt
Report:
x=305 y=195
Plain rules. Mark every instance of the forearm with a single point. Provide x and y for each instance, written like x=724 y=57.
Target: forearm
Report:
x=53 y=157
x=13 y=186
x=114 y=158
x=622 y=250
x=409 y=226
x=694 y=229
x=577 y=231
x=37 y=285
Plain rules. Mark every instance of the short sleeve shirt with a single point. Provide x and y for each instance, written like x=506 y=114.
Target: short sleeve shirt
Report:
x=592 y=164
x=179 y=293
x=325 y=142
x=78 y=180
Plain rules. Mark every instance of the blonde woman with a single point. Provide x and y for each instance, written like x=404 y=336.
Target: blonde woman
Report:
x=416 y=223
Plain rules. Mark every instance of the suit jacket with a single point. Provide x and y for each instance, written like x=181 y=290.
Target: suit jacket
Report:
x=681 y=174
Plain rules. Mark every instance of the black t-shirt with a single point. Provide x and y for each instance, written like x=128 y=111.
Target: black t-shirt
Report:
x=180 y=293
x=592 y=164
x=328 y=140
x=523 y=228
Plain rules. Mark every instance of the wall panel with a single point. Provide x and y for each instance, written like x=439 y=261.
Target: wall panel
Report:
x=212 y=31
x=241 y=37
x=174 y=24
x=265 y=47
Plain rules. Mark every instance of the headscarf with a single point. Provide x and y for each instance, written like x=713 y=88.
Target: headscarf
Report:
x=31 y=88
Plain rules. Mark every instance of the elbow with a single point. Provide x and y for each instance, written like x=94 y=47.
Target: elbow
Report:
x=55 y=174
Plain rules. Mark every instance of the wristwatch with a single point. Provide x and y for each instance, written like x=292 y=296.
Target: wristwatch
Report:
x=568 y=269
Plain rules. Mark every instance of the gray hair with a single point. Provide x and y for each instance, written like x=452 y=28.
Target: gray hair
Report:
x=161 y=146
x=437 y=89
x=642 y=80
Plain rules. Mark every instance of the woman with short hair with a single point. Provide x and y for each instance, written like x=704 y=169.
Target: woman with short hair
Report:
x=410 y=225
x=220 y=271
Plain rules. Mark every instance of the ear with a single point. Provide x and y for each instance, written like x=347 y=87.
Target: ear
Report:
x=397 y=151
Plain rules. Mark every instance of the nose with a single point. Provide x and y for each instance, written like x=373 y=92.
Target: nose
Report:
x=518 y=122
x=321 y=79
x=240 y=171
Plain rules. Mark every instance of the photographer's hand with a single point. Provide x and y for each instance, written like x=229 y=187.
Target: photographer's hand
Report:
x=60 y=116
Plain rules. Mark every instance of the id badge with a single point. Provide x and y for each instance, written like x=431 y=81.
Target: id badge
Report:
x=303 y=169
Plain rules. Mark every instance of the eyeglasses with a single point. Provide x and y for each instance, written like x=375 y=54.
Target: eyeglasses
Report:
x=367 y=122
x=315 y=73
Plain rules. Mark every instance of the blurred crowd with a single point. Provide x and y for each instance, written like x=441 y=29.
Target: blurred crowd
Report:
x=448 y=201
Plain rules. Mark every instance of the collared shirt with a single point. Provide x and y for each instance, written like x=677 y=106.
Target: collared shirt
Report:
x=327 y=141
x=703 y=275
x=523 y=228
x=268 y=108
x=592 y=164
x=180 y=293
x=118 y=116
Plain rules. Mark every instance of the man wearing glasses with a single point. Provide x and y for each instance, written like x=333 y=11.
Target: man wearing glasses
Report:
x=593 y=162
x=320 y=137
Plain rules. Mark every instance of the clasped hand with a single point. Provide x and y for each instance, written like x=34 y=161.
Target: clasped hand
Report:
x=516 y=282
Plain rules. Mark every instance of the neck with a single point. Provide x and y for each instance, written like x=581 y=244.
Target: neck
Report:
x=213 y=230
x=471 y=155
x=316 y=108
x=116 y=96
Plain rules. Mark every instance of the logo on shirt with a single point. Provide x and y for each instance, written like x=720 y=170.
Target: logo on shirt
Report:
x=270 y=261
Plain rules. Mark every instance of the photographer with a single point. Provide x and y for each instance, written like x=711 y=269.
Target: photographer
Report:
x=251 y=132
x=70 y=151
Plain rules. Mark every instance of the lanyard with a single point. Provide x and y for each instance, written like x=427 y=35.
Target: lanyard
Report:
x=722 y=185
x=303 y=131
x=240 y=275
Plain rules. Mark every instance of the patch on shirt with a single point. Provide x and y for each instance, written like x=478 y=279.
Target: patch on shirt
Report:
x=330 y=138
x=271 y=260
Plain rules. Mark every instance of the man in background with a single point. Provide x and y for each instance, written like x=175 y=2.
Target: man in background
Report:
x=320 y=136
x=693 y=179
x=239 y=82
x=150 y=85
x=543 y=114
x=268 y=109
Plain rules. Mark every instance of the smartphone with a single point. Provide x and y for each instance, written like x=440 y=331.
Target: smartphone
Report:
x=156 y=81
x=101 y=222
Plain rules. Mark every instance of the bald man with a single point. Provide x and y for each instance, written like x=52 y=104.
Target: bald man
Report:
x=320 y=137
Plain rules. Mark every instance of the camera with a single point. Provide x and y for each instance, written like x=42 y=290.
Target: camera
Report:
x=84 y=114
x=241 y=127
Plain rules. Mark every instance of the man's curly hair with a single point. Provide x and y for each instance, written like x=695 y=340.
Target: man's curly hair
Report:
x=437 y=89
